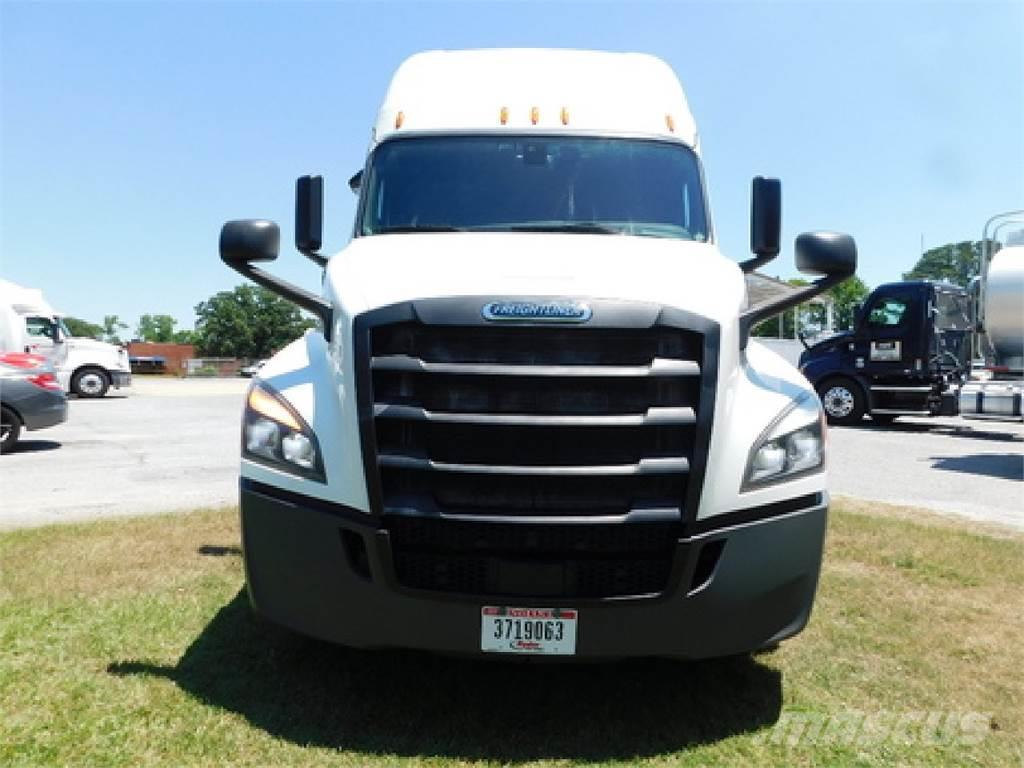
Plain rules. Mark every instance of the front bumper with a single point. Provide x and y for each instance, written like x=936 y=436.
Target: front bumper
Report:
x=302 y=574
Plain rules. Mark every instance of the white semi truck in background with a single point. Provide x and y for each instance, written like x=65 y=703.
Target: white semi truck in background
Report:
x=533 y=421
x=86 y=367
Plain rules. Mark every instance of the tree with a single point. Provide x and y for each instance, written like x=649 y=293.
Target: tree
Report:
x=955 y=262
x=157 y=328
x=112 y=326
x=845 y=298
x=83 y=328
x=184 y=337
x=248 y=322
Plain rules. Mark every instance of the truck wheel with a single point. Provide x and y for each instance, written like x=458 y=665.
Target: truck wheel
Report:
x=10 y=429
x=90 y=382
x=843 y=402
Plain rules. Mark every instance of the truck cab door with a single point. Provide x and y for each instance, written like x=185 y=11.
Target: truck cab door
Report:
x=889 y=344
x=43 y=337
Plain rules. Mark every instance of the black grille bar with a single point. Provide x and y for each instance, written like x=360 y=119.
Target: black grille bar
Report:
x=657 y=367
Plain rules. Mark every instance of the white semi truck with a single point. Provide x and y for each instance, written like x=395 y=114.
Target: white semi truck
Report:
x=533 y=421
x=85 y=367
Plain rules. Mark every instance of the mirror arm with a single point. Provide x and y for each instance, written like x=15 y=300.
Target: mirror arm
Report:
x=316 y=258
x=754 y=315
x=299 y=296
x=750 y=265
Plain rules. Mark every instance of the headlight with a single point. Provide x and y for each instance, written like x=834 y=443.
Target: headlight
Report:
x=787 y=449
x=274 y=434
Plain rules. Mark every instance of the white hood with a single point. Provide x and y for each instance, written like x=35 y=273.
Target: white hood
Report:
x=386 y=269
x=85 y=344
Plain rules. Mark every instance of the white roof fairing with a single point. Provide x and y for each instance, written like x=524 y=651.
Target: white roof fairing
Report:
x=616 y=93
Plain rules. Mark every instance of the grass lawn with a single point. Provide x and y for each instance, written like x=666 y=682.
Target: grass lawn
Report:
x=130 y=642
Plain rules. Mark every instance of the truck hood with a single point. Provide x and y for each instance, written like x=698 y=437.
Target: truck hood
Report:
x=387 y=269
x=85 y=344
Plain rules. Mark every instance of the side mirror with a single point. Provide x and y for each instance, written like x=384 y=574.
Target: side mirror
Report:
x=826 y=253
x=356 y=182
x=829 y=254
x=245 y=241
x=309 y=214
x=765 y=222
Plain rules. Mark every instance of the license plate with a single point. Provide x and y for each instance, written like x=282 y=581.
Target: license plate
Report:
x=541 y=631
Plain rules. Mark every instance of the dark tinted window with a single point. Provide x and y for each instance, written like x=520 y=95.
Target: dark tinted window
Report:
x=508 y=183
x=887 y=312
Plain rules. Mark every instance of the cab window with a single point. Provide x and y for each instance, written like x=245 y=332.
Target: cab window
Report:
x=887 y=313
x=41 y=327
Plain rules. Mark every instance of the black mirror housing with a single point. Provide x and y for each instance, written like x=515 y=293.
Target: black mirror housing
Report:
x=765 y=222
x=309 y=214
x=356 y=182
x=826 y=253
x=766 y=217
x=245 y=241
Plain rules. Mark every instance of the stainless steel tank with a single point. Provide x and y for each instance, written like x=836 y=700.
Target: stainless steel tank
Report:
x=1004 y=307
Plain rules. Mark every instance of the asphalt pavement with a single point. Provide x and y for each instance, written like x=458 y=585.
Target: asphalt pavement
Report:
x=172 y=444
x=160 y=446
x=965 y=467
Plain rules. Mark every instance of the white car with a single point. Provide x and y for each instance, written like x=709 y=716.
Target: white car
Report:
x=251 y=370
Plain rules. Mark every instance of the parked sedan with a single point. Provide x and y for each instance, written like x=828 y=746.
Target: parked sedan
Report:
x=251 y=370
x=30 y=397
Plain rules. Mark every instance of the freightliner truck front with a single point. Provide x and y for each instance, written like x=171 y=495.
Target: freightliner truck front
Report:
x=531 y=422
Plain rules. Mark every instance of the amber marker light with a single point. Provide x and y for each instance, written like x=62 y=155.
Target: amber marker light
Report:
x=399 y=119
x=670 y=123
x=266 y=405
x=534 y=115
x=565 y=116
x=503 y=115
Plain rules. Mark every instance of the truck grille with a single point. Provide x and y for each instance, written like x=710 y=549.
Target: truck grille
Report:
x=525 y=432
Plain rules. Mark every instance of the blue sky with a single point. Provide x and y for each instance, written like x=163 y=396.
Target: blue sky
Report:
x=131 y=132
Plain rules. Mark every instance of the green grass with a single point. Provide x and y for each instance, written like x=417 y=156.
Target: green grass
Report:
x=130 y=643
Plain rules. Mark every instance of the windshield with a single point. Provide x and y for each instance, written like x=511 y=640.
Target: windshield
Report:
x=512 y=183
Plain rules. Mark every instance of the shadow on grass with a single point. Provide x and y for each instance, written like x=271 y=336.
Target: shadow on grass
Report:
x=409 y=703
x=218 y=550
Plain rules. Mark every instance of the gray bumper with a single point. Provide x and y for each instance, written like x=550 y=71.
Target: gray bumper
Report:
x=301 y=574
x=120 y=379
x=46 y=409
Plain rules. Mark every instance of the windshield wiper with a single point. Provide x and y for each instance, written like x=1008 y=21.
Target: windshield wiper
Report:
x=406 y=228
x=583 y=227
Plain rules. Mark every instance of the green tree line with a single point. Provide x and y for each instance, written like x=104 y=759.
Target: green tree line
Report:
x=247 y=322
